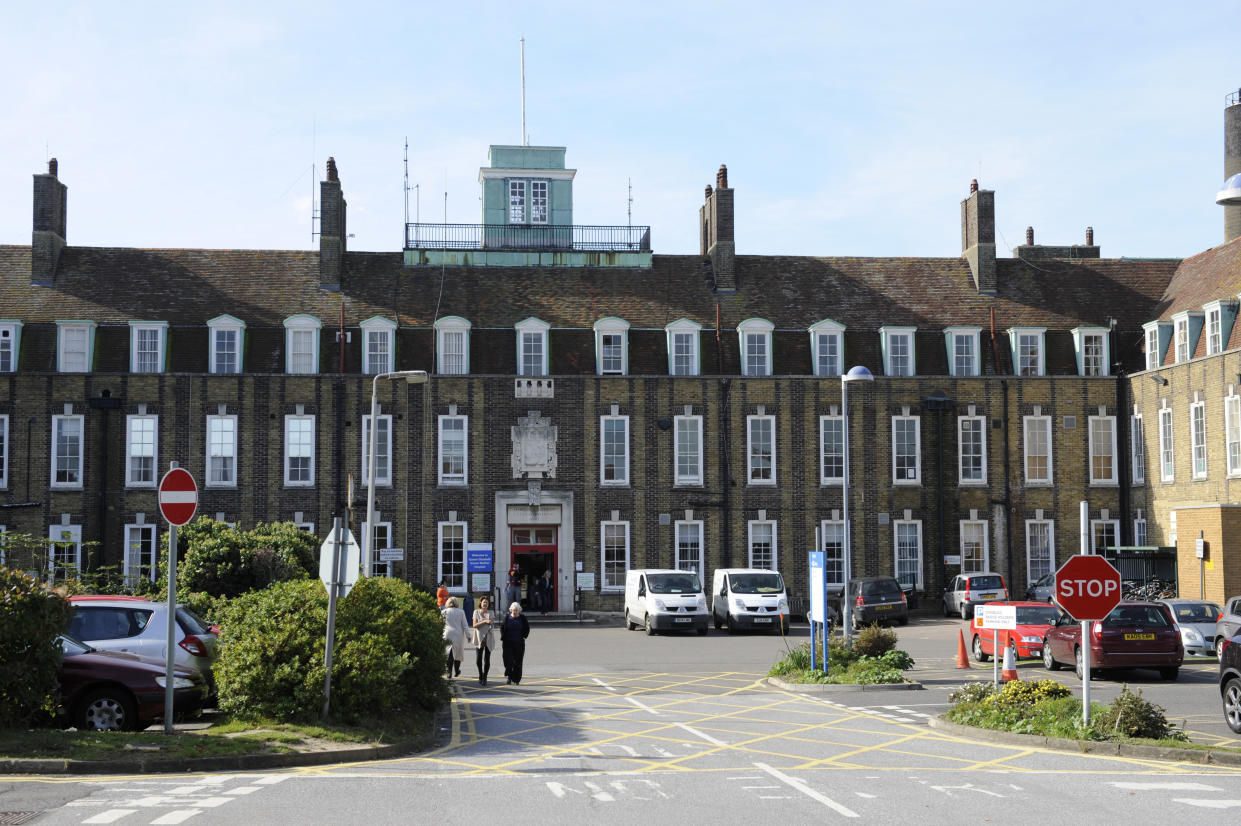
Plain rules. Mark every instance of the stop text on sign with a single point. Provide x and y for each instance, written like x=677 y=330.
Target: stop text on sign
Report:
x=1087 y=587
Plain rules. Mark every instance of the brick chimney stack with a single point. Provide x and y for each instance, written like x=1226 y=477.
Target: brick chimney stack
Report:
x=48 y=237
x=715 y=221
x=332 y=235
x=978 y=237
x=1029 y=236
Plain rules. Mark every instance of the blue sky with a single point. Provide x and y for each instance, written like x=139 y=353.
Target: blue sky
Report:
x=847 y=128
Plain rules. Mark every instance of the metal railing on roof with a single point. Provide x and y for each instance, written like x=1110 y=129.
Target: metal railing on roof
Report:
x=527 y=237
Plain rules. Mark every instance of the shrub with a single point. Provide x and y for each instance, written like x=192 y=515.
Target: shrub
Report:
x=31 y=615
x=1129 y=715
x=222 y=561
x=874 y=641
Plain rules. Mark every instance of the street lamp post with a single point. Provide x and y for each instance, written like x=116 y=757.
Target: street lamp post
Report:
x=857 y=373
x=413 y=377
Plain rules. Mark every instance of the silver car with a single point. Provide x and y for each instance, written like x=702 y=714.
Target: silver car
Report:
x=1196 y=620
x=1228 y=625
x=1042 y=589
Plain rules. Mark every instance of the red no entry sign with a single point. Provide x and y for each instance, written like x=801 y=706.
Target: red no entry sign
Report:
x=1088 y=587
x=178 y=496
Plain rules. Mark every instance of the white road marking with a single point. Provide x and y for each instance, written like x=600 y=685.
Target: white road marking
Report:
x=598 y=793
x=642 y=705
x=271 y=779
x=1167 y=786
x=242 y=790
x=602 y=683
x=662 y=752
x=697 y=733
x=965 y=787
x=110 y=816
x=186 y=790
x=1208 y=804
x=175 y=816
x=806 y=790
x=865 y=795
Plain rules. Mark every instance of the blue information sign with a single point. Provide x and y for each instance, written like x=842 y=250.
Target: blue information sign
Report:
x=478 y=558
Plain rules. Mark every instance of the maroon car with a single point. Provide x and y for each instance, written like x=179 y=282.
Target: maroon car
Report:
x=111 y=691
x=1133 y=635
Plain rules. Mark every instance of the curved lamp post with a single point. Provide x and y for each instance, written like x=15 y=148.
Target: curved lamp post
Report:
x=857 y=373
x=413 y=377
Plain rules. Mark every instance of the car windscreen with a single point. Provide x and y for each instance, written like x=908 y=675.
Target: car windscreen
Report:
x=1195 y=611
x=756 y=583
x=674 y=583
x=881 y=588
x=984 y=582
x=1125 y=616
x=1037 y=614
x=191 y=622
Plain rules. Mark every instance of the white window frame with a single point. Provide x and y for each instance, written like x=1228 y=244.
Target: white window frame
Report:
x=136 y=331
x=217 y=327
x=689 y=447
x=305 y=329
x=1180 y=338
x=383 y=451
x=442 y=573
x=900 y=471
x=832 y=544
x=609 y=458
x=836 y=456
x=211 y=447
x=1035 y=555
x=751 y=543
x=529 y=332
x=4 y=543
x=1103 y=446
x=1151 y=334
x=1096 y=525
x=753 y=450
x=1029 y=424
x=1167 y=446
x=137 y=557
x=608 y=531
x=1082 y=337
x=4 y=453
x=980 y=422
x=517 y=200
x=378 y=345
x=453 y=452
x=383 y=530
x=683 y=331
x=57 y=558
x=969 y=526
x=540 y=200
x=1137 y=446
x=1198 y=440
x=74 y=465
x=447 y=329
x=755 y=338
x=290 y=443
x=1029 y=364
x=680 y=530
x=888 y=338
x=606 y=365
x=955 y=336
x=897 y=526
x=138 y=449
x=1140 y=533
x=1232 y=433
x=1214 y=327
x=69 y=334
x=10 y=344
x=827 y=348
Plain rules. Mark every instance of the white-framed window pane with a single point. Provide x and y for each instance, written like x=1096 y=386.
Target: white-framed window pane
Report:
x=684 y=354
x=963 y=355
x=141 y=554
x=909 y=553
x=147 y=350
x=452 y=450
x=1038 y=449
x=299 y=449
x=1198 y=438
x=225 y=348
x=756 y=345
x=517 y=202
x=1214 y=344
x=1167 y=469
x=1092 y=355
x=452 y=554
x=222 y=450
x=611 y=353
x=1028 y=354
x=67 y=451
x=452 y=352
x=140 y=451
x=7 y=338
x=900 y=360
x=1040 y=559
x=1152 y=348
x=302 y=350
x=383 y=450
x=1139 y=532
x=973 y=547
x=66 y=551
x=531 y=363
x=763 y=545
x=378 y=351
x=615 y=450
x=1104 y=535
x=831 y=449
x=615 y=560
x=383 y=539
x=905 y=448
x=1137 y=441
x=833 y=539
x=762 y=447
x=1103 y=449
x=1232 y=423
x=971 y=449
x=1182 y=340
x=73 y=349
x=828 y=354
x=688 y=447
x=689 y=555
x=538 y=202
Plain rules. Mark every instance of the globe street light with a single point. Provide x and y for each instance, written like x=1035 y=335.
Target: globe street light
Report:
x=858 y=373
x=413 y=377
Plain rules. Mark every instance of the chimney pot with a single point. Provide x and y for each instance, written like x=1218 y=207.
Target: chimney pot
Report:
x=973 y=186
x=1090 y=236
x=331 y=170
x=1029 y=236
x=708 y=196
x=721 y=178
x=51 y=167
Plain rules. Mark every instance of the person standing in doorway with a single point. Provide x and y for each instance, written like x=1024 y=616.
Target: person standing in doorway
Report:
x=455 y=629
x=512 y=591
x=545 y=591
x=513 y=635
x=483 y=638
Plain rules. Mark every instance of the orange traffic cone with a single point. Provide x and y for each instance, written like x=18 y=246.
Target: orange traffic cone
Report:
x=1010 y=666
x=963 y=660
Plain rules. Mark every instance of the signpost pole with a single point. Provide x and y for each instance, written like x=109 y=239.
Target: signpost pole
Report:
x=1084 y=515
x=332 y=588
x=178 y=499
x=171 y=640
x=995 y=655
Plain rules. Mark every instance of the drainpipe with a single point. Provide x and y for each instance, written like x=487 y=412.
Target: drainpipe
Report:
x=939 y=402
x=104 y=403
x=726 y=482
x=1008 y=509
x=1122 y=461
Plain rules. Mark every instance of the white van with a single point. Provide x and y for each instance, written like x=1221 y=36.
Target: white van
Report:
x=665 y=600
x=749 y=598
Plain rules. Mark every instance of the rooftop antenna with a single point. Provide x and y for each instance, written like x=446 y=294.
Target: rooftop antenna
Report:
x=407 y=180
x=525 y=136
x=629 y=213
x=314 y=175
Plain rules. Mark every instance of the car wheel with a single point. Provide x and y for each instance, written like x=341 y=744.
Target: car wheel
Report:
x=1169 y=673
x=629 y=623
x=903 y=621
x=718 y=624
x=967 y=611
x=1049 y=662
x=650 y=629
x=1219 y=649
x=702 y=632
x=1080 y=667
x=1232 y=704
x=947 y=609
x=978 y=652
x=107 y=709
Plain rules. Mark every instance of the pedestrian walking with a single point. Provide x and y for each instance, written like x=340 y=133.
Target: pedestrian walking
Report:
x=513 y=635
x=484 y=617
x=441 y=593
x=512 y=591
x=455 y=629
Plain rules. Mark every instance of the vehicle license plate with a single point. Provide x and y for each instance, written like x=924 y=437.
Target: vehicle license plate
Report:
x=682 y=619
x=1139 y=636
x=762 y=619
x=882 y=607
x=988 y=596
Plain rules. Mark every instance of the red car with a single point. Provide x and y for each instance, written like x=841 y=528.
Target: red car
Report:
x=1133 y=635
x=1034 y=620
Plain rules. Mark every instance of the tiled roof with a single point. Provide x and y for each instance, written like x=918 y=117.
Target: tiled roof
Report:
x=1208 y=276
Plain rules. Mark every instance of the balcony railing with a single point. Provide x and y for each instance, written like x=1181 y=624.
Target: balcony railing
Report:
x=527 y=237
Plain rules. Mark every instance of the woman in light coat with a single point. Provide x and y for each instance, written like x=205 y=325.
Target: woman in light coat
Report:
x=455 y=629
x=483 y=637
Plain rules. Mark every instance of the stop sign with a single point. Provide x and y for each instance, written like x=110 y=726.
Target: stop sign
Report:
x=178 y=496
x=1088 y=587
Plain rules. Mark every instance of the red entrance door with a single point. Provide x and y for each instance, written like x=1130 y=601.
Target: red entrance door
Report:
x=534 y=557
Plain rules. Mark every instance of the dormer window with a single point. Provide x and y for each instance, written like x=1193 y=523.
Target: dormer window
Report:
x=1092 y=347
x=146 y=346
x=898 y=350
x=827 y=348
x=527 y=201
x=1029 y=358
x=1155 y=333
x=683 y=347
x=963 y=350
x=75 y=346
x=1186 y=328
x=378 y=345
x=301 y=344
x=452 y=346
x=532 y=357
x=1219 y=321
x=755 y=336
x=227 y=340
x=612 y=346
x=10 y=338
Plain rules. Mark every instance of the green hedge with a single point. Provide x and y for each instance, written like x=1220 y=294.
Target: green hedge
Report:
x=31 y=615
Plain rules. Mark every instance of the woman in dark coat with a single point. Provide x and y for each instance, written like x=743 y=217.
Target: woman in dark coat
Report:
x=513 y=633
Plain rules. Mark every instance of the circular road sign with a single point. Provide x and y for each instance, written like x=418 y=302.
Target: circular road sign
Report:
x=1088 y=587
x=178 y=496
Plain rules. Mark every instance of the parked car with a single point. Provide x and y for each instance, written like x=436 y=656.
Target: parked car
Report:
x=967 y=590
x=1034 y=620
x=1042 y=589
x=1195 y=618
x=111 y=691
x=135 y=625
x=1133 y=635
x=877 y=599
x=749 y=598
x=1228 y=625
x=1230 y=681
